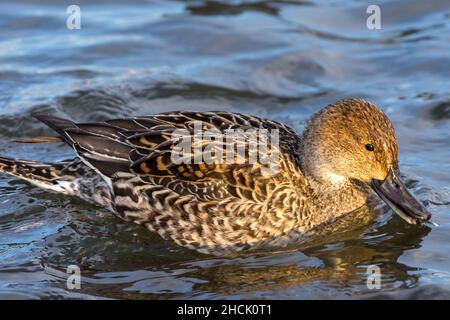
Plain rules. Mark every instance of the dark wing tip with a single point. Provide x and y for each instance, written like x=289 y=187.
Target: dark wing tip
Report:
x=57 y=123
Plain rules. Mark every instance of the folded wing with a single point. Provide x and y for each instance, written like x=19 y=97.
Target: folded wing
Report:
x=145 y=146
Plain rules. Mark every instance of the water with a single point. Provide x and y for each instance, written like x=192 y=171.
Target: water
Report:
x=278 y=59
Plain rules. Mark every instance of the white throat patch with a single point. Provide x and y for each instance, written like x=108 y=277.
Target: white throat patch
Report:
x=336 y=179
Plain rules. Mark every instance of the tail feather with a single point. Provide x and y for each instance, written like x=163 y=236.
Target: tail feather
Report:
x=70 y=177
x=30 y=170
x=60 y=125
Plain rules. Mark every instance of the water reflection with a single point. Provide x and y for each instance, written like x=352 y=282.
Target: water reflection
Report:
x=339 y=259
x=336 y=260
x=223 y=8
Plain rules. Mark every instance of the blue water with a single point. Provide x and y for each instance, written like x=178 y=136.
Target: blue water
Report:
x=277 y=59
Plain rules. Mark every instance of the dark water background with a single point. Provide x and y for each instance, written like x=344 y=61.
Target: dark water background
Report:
x=277 y=59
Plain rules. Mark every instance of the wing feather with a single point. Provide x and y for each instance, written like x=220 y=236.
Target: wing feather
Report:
x=145 y=145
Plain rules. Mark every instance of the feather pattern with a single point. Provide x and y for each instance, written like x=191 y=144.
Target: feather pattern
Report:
x=220 y=207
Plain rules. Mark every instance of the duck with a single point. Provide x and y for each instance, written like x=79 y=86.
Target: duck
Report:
x=346 y=156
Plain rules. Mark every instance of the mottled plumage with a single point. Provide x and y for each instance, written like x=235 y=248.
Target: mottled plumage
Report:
x=221 y=208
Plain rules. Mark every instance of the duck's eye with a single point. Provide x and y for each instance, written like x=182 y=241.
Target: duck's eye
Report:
x=370 y=147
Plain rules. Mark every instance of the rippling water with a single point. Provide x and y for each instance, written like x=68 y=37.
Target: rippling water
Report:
x=278 y=59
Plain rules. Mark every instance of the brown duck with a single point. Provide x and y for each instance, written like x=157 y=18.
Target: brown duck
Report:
x=346 y=155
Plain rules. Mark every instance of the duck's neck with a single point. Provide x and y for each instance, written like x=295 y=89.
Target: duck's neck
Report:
x=333 y=199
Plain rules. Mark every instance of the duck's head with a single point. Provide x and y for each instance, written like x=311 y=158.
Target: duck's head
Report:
x=352 y=141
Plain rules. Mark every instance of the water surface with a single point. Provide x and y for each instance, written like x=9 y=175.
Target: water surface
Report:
x=277 y=59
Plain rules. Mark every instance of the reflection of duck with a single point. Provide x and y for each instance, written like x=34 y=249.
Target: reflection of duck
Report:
x=347 y=150
x=337 y=262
